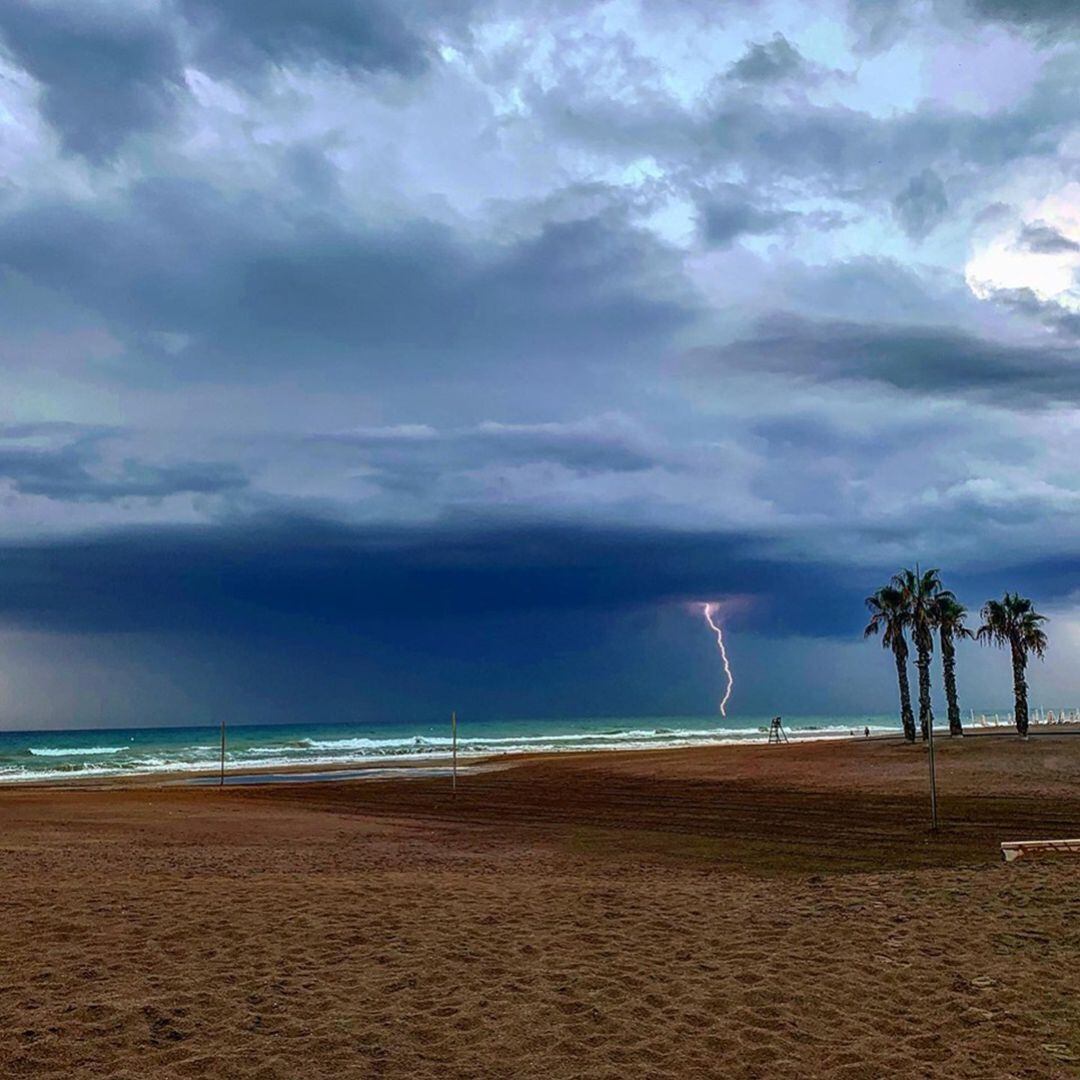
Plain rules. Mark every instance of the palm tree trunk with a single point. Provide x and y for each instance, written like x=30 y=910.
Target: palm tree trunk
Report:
x=948 y=665
x=1019 y=662
x=907 y=717
x=926 y=713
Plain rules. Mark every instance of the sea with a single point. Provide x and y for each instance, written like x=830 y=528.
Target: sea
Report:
x=52 y=755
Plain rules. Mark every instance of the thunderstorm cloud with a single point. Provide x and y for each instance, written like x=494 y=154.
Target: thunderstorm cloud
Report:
x=428 y=349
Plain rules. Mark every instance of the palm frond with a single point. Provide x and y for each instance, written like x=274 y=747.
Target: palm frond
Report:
x=888 y=616
x=1013 y=621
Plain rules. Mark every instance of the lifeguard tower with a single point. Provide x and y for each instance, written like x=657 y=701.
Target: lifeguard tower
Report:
x=777 y=734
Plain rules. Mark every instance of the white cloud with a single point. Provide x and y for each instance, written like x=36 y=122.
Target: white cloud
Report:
x=1051 y=272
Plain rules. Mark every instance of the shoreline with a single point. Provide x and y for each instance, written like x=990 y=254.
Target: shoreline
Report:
x=392 y=767
x=401 y=762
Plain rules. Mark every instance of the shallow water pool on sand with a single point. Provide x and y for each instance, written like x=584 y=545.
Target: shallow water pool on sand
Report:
x=407 y=773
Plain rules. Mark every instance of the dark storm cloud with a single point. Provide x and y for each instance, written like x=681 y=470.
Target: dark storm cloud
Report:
x=284 y=576
x=846 y=145
x=248 y=285
x=807 y=435
x=768 y=62
x=293 y=579
x=924 y=360
x=1049 y=580
x=110 y=70
x=825 y=149
x=105 y=72
x=247 y=35
x=594 y=447
x=1055 y=317
x=427 y=464
x=1046 y=16
x=878 y=24
x=728 y=212
x=846 y=289
x=65 y=463
x=921 y=204
x=274 y=618
x=830 y=149
x=1043 y=239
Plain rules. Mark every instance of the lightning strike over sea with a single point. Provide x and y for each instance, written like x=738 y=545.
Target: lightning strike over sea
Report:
x=709 y=610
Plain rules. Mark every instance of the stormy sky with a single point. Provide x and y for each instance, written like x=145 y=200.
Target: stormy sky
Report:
x=362 y=360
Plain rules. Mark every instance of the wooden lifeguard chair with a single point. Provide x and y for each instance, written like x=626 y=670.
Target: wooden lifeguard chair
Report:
x=777 y=734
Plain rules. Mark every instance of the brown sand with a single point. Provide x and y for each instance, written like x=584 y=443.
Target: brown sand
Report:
x=736 y=912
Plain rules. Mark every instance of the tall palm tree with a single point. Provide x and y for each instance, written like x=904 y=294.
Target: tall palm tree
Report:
x=888 y=616
x=1013 y=621
x=949 y=615
x=919 y=589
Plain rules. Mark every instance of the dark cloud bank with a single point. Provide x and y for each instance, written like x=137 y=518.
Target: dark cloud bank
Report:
x=923 y=359
x=294 y=576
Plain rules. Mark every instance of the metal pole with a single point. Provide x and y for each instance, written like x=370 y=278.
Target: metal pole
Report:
x=933 y=779
x=453 y=739
x=221 y=782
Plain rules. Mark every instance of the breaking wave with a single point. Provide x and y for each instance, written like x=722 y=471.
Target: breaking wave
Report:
x=78 y=751
x=189 y=750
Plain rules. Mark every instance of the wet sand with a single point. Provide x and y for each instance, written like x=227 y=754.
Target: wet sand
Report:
x=730 y=912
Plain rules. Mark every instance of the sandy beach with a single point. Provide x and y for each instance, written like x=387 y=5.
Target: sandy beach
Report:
x=730 y=911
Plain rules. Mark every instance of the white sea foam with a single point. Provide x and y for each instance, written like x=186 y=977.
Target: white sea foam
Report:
x=363 y=750
x=73 y=751
x=422 y=743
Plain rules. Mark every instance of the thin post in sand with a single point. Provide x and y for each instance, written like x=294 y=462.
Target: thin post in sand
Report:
x=221 y=781
x=453 y=743
x=933 y=779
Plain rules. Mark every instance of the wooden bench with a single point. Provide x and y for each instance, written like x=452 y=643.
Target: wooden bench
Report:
x=1013 y=849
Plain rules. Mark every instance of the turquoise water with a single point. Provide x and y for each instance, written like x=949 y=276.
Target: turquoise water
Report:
x=45 y=755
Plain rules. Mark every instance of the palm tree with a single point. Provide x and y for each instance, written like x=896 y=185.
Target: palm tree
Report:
x=919 y=589
x=1013 y=621
x=949 y=615
x=888 y=616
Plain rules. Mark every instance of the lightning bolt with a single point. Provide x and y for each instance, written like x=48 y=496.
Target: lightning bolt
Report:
x=709 y=610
